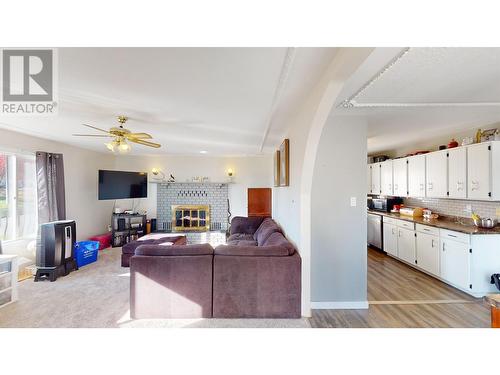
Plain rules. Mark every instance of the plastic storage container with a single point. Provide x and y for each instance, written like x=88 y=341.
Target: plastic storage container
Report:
x=86 y=252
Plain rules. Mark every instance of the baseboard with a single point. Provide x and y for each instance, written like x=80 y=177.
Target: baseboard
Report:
x=340 y=305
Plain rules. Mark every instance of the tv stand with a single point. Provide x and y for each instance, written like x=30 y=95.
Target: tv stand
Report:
x=126 y=228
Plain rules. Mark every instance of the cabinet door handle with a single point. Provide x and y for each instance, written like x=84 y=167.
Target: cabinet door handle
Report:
x=393 y=231
x=444 y=246
x=432 y=243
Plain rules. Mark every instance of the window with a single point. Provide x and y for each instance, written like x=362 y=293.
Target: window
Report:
x=18 y=204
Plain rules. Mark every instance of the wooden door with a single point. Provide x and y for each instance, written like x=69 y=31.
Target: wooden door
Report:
x=259 y=202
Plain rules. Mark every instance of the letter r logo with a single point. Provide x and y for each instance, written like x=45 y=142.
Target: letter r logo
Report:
x=27 y=75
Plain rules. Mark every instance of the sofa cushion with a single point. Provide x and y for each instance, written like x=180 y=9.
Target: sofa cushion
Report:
x=131 y=246
x=251 y=251
x=242 y=243
x=267 y=228
x=246 y=225
x=278 y=239
x=181 y=250
x=240 y=237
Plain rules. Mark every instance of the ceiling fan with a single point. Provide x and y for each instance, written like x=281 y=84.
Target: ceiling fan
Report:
x=121 y=137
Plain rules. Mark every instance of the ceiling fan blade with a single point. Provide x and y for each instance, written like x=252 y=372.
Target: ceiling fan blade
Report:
x=93 y=127
x=138 y=135
x=145 y=143
x=92 y=135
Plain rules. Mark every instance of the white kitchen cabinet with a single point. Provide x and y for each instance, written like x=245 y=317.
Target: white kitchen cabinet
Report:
x=416 y=176
x=479 y=171
x=386 y=178
x=457 y=172
x=376 y=188
x=406 y=245
x=436 y=174
x=369 y=178
x=455 y=262
x=428 y=252
x=391 y=239
x=400 y=170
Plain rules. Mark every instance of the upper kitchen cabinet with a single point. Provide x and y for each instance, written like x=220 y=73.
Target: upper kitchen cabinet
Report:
x=483 y=175
x=369 y=179
x=436 y=172
x=386 y=178
x=400 y=170
x=457 y=172
x=416 y=176
x=376 y=188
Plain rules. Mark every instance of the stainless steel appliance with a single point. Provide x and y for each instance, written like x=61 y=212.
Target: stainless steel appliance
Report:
x=374 y=231
x=383 y=204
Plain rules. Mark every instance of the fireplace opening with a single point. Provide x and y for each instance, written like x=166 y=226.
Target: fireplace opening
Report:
x=189 y=217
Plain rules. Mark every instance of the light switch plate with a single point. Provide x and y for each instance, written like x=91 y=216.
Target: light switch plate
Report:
x=353 y=202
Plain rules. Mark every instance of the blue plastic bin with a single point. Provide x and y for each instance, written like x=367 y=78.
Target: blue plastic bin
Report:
x=86 y=252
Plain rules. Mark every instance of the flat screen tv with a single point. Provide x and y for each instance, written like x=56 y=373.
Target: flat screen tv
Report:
x=122 y=185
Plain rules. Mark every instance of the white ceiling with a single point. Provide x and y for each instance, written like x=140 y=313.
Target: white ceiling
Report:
x=429 y=93
x=226 y=101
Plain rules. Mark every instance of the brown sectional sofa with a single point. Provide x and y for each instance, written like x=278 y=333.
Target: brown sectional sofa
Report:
x=256 y=275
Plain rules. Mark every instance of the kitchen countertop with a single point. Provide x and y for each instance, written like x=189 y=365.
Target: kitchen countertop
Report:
x=443 y=222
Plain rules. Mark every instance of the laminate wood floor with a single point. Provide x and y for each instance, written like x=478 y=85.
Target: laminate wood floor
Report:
x=402 y=297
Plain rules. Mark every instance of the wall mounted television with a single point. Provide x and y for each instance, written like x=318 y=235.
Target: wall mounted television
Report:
x=122 y=185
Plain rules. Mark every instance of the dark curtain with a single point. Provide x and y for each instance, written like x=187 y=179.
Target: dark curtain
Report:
x=50 y=187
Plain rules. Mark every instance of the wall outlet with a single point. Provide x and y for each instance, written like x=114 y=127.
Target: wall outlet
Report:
x=353 y=202
x=498 y=212
x=468 y=209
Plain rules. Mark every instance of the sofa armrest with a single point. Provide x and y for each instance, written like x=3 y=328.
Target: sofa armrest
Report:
x=174 y=250
x=252 y=251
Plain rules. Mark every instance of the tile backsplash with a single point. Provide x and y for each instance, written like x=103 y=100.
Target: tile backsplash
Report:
x=454 y=207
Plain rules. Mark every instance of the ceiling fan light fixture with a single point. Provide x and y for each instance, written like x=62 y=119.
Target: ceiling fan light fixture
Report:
x=123 y=147
x=111 y=146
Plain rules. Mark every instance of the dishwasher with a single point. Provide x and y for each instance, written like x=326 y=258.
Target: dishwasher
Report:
x=374 y=231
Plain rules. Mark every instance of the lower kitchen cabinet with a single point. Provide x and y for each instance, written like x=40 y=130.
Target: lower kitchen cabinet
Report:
x=462 y=260
x=391 y=239
x=455 y=262
x=406 y=245
x=428 y=253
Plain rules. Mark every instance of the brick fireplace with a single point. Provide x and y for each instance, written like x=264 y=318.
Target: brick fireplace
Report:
x=189 y=197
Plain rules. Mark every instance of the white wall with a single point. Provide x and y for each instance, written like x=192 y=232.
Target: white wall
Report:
x=338 y=255
x=251 y=171
x=80 y=175
x=292 y=205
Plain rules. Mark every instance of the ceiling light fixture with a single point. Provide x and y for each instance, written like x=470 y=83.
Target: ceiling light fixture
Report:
x=123 y=147
x=203 y=152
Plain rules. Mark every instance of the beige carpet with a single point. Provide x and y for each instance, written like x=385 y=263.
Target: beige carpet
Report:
x=97 y=296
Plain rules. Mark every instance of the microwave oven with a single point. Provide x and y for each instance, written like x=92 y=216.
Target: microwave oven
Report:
x=383 y=204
